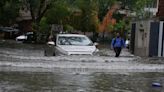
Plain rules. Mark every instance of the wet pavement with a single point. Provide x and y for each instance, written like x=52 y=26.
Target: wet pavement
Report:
x=24 y=68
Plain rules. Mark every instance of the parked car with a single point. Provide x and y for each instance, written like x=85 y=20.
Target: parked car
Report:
x=73 y=44
x=27 y=37
x=8 y=32
x=21 y=38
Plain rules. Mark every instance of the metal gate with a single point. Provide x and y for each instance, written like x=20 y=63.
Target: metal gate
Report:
x=154 y=37
x=132 y=42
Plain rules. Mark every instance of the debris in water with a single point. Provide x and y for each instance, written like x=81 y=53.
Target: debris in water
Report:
x=77 y=73
x=156 y=84
x=106 y=61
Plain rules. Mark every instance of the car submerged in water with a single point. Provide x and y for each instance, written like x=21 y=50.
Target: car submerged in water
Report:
x=73 y=44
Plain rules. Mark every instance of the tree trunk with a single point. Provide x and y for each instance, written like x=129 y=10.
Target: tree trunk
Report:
x=103 y=36
x=38 y=35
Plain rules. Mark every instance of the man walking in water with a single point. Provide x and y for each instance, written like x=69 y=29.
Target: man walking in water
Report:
x=118 y=43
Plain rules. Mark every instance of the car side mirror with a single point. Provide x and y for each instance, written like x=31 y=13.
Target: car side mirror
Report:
x=51 y=43
x=95 y=43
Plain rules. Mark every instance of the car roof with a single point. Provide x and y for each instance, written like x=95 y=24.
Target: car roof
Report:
x=71 y=35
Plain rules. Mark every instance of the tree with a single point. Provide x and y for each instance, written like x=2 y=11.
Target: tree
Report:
x=59 y=13
x=79 y=14
x=38 y=21
x=104 y=5
x=9 y=11
x=136 y=5
x=38 y=8
x=89 y=13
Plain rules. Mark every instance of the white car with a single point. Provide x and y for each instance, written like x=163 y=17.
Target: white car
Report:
x=25 y=37
x=21 y=38
x=74 y=44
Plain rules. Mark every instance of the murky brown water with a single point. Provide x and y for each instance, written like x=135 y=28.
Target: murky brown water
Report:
x=68 y=82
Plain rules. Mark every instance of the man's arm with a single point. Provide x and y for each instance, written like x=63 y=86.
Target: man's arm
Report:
x=123 y=43
x=112 y=43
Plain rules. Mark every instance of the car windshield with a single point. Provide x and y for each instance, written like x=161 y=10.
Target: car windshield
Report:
x=78 y=41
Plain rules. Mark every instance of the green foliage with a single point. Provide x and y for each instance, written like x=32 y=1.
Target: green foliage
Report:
x=110 y=27
x=89 y=10
x=137 y=5
x=104 y=5
x=68 y=28
x=59 y=13
x=9 y=11
x=118 y=16
x=80 y=14
x=75 y=14
x=44 y=26
x=119 y=26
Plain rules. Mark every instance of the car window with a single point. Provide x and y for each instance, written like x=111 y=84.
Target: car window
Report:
x=78 y=41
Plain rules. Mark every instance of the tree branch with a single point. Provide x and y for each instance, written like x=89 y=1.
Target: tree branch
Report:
x=41 y=6
x=42 y=12
x=31 y=10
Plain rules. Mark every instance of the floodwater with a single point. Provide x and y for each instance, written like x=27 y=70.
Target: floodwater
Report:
x=16 y=81
x=69 y=80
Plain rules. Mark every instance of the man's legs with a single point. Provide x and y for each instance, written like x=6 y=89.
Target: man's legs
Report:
x=117 y=51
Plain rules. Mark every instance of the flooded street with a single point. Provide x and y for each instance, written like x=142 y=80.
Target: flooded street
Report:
x=88 y=82
x=24 y=68
x=82 y=46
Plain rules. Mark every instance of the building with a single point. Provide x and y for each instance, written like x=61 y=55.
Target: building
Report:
x=147 y=35
x=152 y=8
x=160 y=12
x=24 y=20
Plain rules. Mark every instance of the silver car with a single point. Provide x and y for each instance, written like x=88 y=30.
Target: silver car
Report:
x=74 y=44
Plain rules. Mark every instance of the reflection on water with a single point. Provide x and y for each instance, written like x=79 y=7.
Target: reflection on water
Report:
x=134 y=82
x=67 y=82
